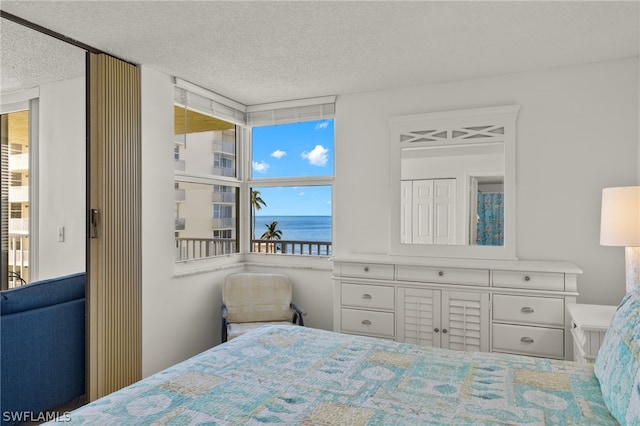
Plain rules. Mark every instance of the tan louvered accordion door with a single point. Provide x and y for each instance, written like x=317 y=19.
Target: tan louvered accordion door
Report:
x=114 y=255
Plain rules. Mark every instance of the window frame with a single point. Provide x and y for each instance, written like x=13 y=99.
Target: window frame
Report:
x=246 y=118
x=275 y=182
x=188 y=266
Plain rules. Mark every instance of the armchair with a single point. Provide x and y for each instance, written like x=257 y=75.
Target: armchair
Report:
x=250 y=300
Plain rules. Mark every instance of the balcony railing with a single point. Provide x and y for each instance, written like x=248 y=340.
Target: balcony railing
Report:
x=18 y=225
x=224 y=197
x=224 y=223
x=224 y=171
x=200 y=248
x=310 y=248
x=19 y=194
x=224 y=147
x=18 y=162
x=18 y=257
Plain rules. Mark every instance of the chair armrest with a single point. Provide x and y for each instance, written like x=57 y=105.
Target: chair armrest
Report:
x=297 y=316
x=298 y=309
x=225 y=323
x=225 y=313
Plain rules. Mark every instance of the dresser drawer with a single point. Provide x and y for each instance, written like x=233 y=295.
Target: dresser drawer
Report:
x=368 y=296
x=443 y=275
x=531 y=280
x=368 y=322
x=367 y=270
x=521 y=339
x=528 y=309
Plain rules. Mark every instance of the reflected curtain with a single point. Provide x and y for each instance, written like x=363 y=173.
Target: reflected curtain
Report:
x=490 y=219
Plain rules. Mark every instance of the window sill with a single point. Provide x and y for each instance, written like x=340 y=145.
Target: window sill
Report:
x=204 y=266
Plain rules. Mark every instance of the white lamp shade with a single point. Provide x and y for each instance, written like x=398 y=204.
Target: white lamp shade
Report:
x=620 y=217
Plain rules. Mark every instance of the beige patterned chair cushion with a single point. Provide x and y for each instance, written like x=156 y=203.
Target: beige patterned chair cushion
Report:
x=257 y=297
x=239 y=328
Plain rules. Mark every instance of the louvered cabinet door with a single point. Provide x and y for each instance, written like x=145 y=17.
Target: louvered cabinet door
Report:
x=465 y=321
x=418 y=312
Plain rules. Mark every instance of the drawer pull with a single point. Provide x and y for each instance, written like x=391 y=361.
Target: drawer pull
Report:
x=526 y=340
x=527 y=278
x=526 y=310
x=444 y=330
x=366 y=269
x=440 y=273
x=437 y=330
x=366 y=296
x=366 y=322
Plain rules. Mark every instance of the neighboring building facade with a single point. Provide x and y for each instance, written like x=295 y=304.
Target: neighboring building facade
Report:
x=205 y=209
x=16 y=179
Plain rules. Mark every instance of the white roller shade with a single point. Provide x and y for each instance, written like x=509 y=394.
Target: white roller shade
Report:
x=202 y=100
x=291 y=111
x=198 y=99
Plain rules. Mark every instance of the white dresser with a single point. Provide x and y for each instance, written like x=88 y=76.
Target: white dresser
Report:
x=589 y=323
x=515 y=307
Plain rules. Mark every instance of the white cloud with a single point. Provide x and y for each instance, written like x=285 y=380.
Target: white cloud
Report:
x=278 y=154
x=317 y=157
x=260 y=166
x=322 y=125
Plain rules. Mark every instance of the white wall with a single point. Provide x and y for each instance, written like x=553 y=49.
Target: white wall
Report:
x=577 y=132
x=177 y=313
x=62 y=178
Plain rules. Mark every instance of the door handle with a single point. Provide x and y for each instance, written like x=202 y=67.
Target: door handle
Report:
x=93 y=220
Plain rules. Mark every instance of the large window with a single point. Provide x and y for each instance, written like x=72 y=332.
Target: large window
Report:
x=206 y=186
x=290 y=188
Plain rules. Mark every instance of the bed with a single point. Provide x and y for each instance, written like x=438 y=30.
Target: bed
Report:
x=299 y=375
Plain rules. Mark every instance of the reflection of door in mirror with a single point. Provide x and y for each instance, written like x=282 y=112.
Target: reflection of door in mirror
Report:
x=429 y=211
x=487 y=215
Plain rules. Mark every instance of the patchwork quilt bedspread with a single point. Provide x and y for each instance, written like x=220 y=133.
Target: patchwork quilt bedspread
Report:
x=297 y=375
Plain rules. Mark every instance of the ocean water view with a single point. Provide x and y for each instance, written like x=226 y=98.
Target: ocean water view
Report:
x=297 y=228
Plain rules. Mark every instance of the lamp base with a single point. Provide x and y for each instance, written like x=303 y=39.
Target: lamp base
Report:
x=632 y=267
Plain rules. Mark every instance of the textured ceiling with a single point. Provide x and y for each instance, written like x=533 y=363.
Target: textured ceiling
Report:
x=257 y=52
x=29 y=59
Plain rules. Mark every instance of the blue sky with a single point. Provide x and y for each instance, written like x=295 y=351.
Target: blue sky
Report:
x=297 y=149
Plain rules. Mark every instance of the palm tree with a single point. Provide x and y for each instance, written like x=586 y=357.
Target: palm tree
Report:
x=256 y=204
x=272 y=233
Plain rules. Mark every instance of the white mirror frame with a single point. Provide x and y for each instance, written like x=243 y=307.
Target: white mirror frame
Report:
x=504 y=116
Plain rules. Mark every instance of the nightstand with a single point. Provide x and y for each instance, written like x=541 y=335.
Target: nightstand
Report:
x=589 y=323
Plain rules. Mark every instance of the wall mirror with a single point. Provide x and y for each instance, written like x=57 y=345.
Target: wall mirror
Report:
x=453 y=183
